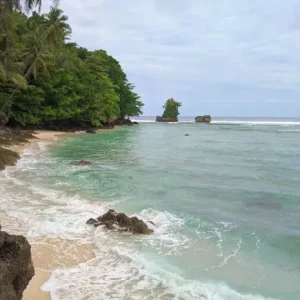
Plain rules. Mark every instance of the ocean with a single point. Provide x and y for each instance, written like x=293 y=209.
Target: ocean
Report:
x=225 y=201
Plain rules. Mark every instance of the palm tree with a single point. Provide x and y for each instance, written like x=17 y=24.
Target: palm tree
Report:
x=57 y=28
x=37 y=55
x=11 y=71
x=30 y=4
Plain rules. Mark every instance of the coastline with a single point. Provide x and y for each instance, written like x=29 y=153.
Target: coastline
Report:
x=47 y=254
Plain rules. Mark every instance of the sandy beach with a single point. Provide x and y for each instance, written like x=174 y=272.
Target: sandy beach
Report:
x=47 y=254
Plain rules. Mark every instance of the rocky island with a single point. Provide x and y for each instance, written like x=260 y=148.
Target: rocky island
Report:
x=170 y=111
x=203 y=119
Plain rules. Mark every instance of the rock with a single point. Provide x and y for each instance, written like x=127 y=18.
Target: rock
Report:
x=91 y=131
x=203 y=119
x=136 y=123
x=121 y=121
x=162 y=119
x=131 y=224
x=108 y=224
x=91 y=221
x=8 y=158
x=81 y=163
x=186 y=134
x=16 y=267
x=151 y=222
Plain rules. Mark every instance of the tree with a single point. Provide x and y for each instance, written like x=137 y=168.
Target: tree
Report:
x=37 y=55
x=46 y=80
x=171 y=108
x=57 y=28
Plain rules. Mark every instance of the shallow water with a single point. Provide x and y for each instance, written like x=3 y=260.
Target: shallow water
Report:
x=225 y=201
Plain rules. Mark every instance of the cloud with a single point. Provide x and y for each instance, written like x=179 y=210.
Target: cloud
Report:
x=226 y=57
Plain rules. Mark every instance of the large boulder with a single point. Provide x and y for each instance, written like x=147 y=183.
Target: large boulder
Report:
x=112 y=219
x=203 y=119
x=167 y=120
x=8 y=158
x=16 y=267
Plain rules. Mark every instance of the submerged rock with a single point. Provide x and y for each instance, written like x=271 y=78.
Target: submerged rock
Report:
x=16 y=267
x=81 y=163
x=112 y=219
x=8 y=158
x=186 y=134
x=203 y=119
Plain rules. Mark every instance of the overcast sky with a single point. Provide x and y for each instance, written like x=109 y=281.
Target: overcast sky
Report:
x=222 y=57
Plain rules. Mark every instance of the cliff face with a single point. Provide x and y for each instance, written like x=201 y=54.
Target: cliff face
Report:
x=16 y=267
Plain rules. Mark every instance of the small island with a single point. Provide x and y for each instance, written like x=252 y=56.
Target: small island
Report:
x=171 y=111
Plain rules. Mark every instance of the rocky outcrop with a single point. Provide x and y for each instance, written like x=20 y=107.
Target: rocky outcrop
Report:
x=81 y=163
x=203 y=119
x=8 y=158
x=16 y=267
x=113 y=220
x=10 y=137
x=91 y=131
x=162 y=119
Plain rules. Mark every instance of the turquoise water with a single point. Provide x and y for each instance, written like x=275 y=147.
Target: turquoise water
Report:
x=225 y=201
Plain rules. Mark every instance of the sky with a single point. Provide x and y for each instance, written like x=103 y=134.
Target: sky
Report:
x=218 y=57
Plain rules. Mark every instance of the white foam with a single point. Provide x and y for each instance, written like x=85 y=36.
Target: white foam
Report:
x=143 y=121
x=232 y=122
x=255 y=123
x=289 y=130
x=120 y=274
x=120 y=270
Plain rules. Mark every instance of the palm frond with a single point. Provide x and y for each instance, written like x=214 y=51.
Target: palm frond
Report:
x=18 y=80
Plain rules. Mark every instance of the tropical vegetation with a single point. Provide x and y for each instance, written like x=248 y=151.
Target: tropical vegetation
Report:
x=46 y=79
x=171 y=107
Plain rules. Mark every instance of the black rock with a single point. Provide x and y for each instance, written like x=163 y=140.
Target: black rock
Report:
x=91 y=131
x=91 y=221
x=16 y=267
x=112 y=219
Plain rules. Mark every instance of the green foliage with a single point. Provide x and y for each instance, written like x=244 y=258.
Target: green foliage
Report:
x=46 y=79
x=171 y=108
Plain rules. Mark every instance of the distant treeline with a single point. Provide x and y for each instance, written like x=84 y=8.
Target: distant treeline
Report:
x=45 y=79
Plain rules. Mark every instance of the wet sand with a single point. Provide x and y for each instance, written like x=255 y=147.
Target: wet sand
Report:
x=47 y=254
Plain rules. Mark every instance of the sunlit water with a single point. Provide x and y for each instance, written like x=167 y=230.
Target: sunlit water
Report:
x=225 y=201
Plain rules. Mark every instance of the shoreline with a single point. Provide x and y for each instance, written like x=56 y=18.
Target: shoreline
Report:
x=47 y=254
x=33 y=290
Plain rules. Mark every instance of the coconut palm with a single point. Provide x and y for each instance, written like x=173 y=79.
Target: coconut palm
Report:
x=57 y=28
x=30 y=4
x=37 y=55
x=11 y=71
